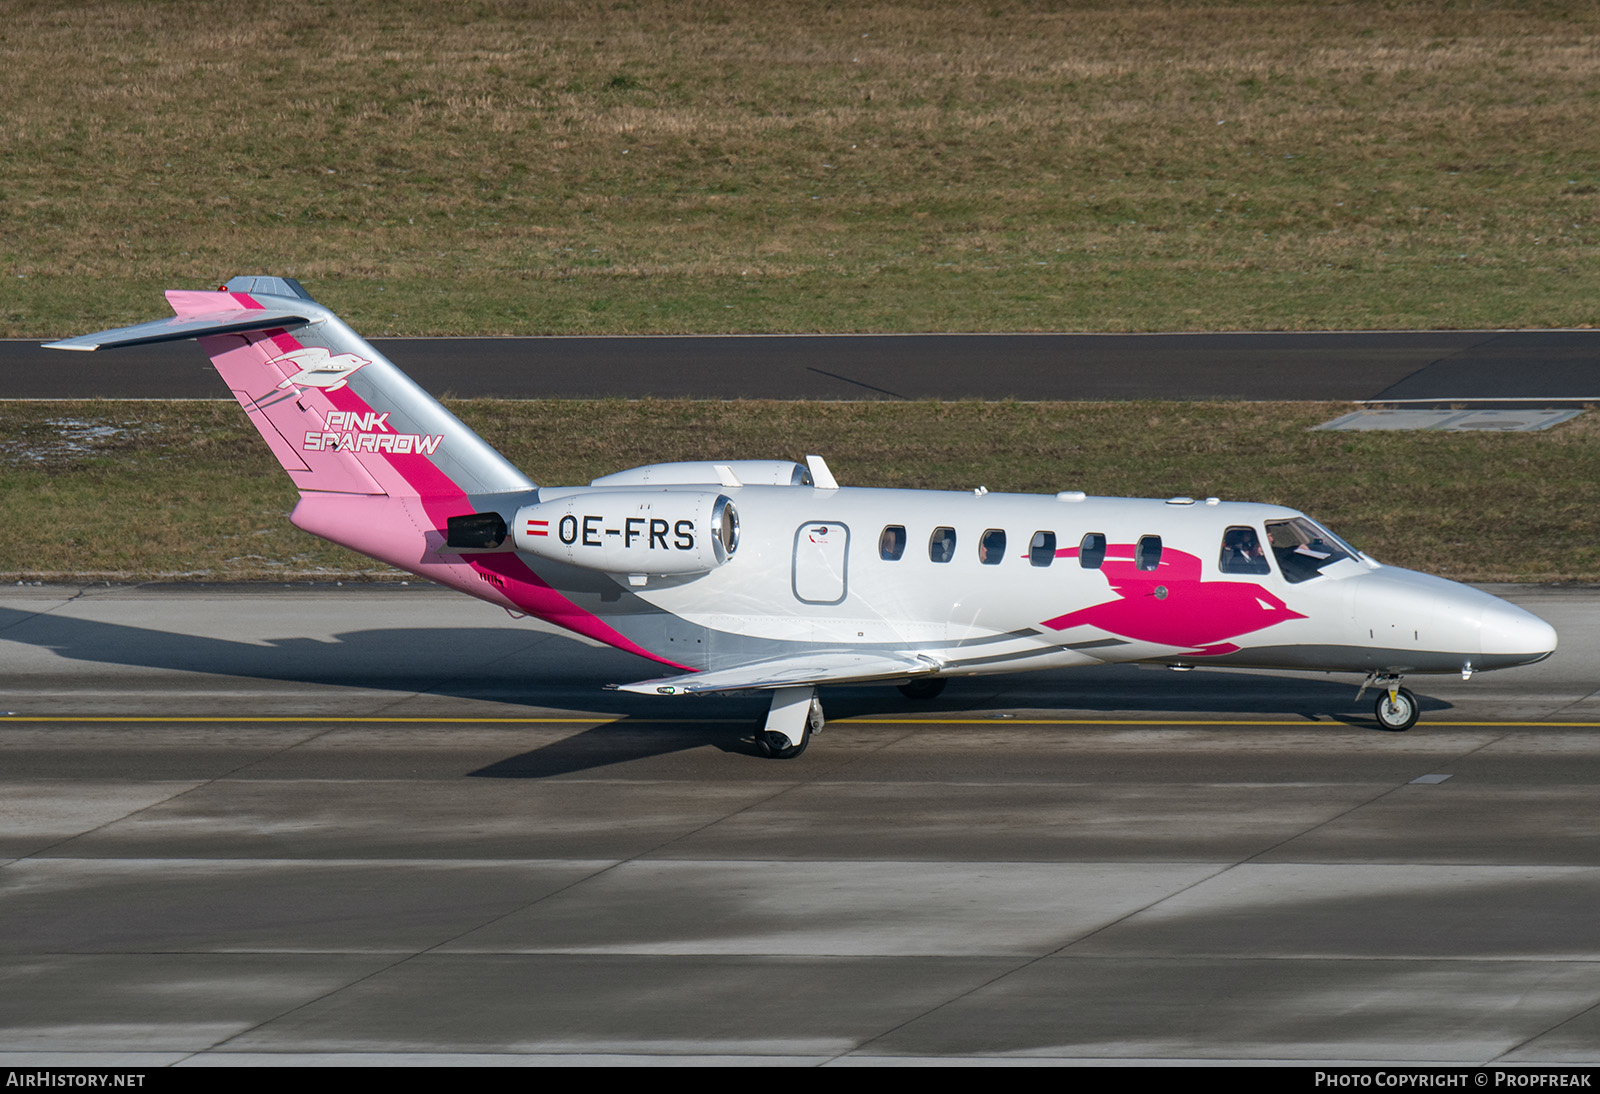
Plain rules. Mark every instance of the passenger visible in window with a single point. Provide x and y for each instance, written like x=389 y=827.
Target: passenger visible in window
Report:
x=1149 y=556
x=1092 y=551
x=942 y=545
x=1042 y=549
x=892 y=544
x=1242 y=553
x=992 y=547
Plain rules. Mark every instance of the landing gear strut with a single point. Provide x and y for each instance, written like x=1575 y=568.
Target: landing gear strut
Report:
x=795 y=714
x=1397 y=708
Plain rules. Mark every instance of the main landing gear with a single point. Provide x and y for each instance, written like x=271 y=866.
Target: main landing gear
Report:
x=795 y=714
x=1397 y=708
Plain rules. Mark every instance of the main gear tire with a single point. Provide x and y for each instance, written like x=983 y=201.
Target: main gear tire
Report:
x=776 y=746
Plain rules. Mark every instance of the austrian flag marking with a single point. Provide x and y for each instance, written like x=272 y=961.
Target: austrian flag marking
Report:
x=538 y=528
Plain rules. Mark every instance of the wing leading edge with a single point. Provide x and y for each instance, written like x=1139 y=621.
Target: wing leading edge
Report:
x=232 y=321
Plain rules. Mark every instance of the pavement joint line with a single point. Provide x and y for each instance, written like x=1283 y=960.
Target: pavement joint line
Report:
x=1576 y=702
x=1534 y=1036
x=291 y=719
x=1256 y=857
x=1035 y=959
x=608 y=867
x=44 y=852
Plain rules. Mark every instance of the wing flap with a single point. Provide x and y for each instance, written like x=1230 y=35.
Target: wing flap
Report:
x=822 y=667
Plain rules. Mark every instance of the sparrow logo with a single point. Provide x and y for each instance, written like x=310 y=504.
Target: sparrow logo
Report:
x=368 y=432
x=317 y=367
x=1174 y=606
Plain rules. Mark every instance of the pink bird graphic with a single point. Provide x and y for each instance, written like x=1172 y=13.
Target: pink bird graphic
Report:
x=317 y=367
x=1172 y=606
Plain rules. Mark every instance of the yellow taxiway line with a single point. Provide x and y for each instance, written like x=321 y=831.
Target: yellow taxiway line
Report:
x=379 y=719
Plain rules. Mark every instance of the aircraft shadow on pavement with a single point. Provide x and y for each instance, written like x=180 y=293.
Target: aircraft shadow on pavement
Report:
x=479 y=663
x=521 y=669
x=634 y=738
x=729 y=722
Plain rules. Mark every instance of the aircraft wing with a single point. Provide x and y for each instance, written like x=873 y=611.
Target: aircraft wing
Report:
x=820 y=667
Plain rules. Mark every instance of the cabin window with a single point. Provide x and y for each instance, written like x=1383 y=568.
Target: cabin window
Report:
x=1149 y=556
x=892 y=543
x=1242 y=552
x=1042 y=548
x=1092 y=551
x=1303 y=549
x=942 y=544
x=992 y=546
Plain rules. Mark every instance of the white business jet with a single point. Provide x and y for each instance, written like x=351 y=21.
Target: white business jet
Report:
x=768 y=575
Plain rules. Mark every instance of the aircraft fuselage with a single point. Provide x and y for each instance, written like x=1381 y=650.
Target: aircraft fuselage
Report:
x=1014 y=589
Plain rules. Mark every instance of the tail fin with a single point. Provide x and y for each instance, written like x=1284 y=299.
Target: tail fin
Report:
x=357 y=435
x=337 y=415
x=381 y=466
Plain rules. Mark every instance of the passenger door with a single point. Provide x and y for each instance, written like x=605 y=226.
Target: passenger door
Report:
x=821 y=554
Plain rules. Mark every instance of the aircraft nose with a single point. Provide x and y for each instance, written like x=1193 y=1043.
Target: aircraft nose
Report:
x=1510 y=632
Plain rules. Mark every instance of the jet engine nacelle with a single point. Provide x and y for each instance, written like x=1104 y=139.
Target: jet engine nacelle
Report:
x=711 y=473
x=632 y=532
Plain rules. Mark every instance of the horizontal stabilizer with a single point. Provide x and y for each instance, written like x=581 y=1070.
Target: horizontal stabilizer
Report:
x=821 y=667
x=232 y=321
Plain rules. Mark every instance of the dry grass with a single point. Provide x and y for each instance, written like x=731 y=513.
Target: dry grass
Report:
x=131 y=491
x=516 y=167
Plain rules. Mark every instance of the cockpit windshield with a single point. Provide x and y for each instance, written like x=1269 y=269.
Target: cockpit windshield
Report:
x=1304 y=549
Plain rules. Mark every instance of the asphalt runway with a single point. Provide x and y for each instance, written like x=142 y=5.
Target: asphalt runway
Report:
x=244 y=826
x=1553 y=368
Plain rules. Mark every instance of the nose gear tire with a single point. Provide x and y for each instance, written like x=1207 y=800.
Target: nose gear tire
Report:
x=1399 y=713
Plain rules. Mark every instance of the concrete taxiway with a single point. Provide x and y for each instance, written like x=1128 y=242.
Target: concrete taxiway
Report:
x=386 y=824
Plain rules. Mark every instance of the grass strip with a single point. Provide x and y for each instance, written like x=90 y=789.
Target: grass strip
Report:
x=794 y=165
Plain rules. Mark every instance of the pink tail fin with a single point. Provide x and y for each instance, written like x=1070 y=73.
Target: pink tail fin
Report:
x=337 y=414
x=380 y=464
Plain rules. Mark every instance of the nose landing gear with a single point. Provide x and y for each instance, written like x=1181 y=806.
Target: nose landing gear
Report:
x=1397 y=708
